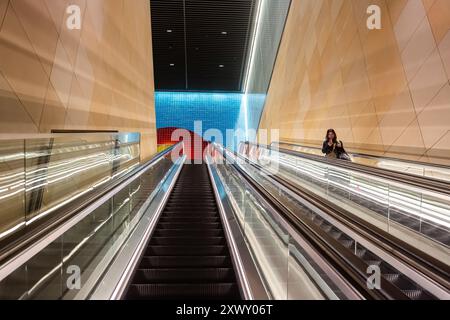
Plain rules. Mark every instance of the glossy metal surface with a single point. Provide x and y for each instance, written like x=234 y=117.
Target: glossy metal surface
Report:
x=114 y=283
x=417 y=216
x=251 y=284
x=290 y=267
x=421 y=169
x=82 y=248
x=40 y=175
x=361 y=243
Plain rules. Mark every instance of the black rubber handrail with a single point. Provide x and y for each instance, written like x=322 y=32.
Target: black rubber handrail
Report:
x=415 y=258
x=366 y=155
x=23 y=238
x=420 y=182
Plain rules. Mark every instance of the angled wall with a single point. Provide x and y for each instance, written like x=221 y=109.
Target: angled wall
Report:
x=385 y=91
x=96 y=78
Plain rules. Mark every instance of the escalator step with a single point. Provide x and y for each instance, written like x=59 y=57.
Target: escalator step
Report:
x=182 y=232
x=326 y=227
x=188 y=240
x=183 y=275
x=197 y=206
x=189 y=219
x=347 y=243
x=186 y=250
x=185 y=262
x=184 y=291
x=373 y=262
x=414 y=294
x=190 y=213
x=186 y=225
x=192 y=216
x=398 y=280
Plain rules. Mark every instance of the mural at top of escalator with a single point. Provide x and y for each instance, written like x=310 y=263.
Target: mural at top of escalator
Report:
x=200 y=112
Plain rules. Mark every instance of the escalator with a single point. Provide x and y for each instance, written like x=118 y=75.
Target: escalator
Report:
x=407 y=288
x=394 y=283
x=187 y=256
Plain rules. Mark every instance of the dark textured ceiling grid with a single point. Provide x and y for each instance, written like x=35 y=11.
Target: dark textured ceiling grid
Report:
x=201 y=45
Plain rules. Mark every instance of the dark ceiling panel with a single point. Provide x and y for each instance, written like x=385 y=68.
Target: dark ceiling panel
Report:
x=200 y=45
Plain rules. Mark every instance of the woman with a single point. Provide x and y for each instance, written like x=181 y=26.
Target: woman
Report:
x=334 y=148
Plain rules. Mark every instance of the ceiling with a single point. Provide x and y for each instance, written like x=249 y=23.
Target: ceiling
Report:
x=201 y=45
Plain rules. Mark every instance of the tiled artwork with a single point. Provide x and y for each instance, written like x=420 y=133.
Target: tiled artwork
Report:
x=221 y=111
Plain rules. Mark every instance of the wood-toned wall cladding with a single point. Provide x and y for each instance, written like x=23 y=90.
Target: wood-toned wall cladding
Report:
x=97 y=78
x=386 y=90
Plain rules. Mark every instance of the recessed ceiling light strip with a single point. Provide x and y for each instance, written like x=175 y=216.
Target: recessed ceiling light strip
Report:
x=246 y=47
x=255 y=37
x=185 y=45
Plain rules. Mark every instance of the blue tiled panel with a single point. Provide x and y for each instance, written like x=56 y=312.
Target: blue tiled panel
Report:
x=253 y=105
x=181 y=109
x=220 y=111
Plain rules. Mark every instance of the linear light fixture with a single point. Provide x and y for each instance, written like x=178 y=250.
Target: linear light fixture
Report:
x=255 y=37
x=250 y=65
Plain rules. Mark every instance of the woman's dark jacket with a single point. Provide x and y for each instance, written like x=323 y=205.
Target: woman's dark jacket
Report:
x=327 y=149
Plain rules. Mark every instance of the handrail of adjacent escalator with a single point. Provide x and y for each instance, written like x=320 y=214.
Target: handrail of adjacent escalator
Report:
x=422 y=182
x=365 y=155
x=419 y=260
x=433 y=268
x=347 y=287
x=19 y=243
x=340 y=261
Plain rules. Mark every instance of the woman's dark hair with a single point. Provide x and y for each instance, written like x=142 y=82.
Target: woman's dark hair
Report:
x=335 y=135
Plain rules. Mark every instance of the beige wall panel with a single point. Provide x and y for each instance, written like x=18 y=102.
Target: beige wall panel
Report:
x=96 y=78
x=384 y=91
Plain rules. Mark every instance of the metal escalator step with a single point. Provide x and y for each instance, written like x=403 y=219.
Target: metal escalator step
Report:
x=184 y=275
x=186 y=225
x=347 y=243
x=318 y=221
x=183 y=232
x=186 y=250
x=189 y=212
x=392 y=277
x=211 y=291
x=192 y=215
x=185 y=262
x=414 y=294
x=198 y=194
x=179 y=191
x=374 y=262
x=336 y=234
x=189 y=219
x=197 y=206
x=195 y=240
x=360 y=252
x=326 y=227
x=192 y=198
x=398 y=280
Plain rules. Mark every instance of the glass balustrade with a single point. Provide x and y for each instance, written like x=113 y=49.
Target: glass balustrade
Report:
x=39 y=175
x=286 y=263
x=71 y=265
x=421 y=169
x=416 y=215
